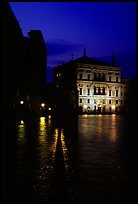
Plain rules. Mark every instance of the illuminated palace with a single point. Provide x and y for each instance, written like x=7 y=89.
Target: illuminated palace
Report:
x=96 y=87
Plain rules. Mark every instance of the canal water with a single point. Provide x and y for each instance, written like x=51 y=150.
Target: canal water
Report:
x=92 y=160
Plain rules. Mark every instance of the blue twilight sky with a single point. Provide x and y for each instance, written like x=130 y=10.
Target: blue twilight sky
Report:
x=68 y=27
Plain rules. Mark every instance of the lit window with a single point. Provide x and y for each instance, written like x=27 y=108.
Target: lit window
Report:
x=58 y=75
x=97 y=90
x=85 y=106
x=113 y=107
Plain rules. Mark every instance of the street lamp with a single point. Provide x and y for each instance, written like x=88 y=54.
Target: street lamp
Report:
x=42 y=105
x=21 y=102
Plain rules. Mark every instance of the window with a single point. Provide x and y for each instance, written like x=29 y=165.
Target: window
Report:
x=88 y=71
x=88 y=100
x=97 y=90
x=101 y=90
x=80 y=100
x=88 y=76
x=80 y=76
x=103 y=77
x=96 y=76
x=116 y=92
x=80 y=91
x=58 y=75
x=88 y=91
x=109 y=92
x=94 y=100
x=103 y=101
x=116 y=79
x=116 y=101
x=110 y=78
x=110 y=101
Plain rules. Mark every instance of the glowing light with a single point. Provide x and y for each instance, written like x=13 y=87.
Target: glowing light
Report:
x=22 y=122
x=85 y=106
x=54 y=144
x=49 y=108
x=21 y=132
x=42 y=105
x=21 y=102
x=64 y=148
x=58 y=75
x=113 y=107
x=42 y=130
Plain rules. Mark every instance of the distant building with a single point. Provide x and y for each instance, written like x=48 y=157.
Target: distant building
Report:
x=24 y=63
x=97 y=86
x=35 y=66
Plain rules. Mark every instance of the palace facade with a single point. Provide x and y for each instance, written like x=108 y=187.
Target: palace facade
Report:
x=99 y=85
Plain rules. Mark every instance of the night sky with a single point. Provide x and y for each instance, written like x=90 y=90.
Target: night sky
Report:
x=68 y=27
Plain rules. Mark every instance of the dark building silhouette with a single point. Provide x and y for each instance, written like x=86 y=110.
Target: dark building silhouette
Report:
x=24 y=61
x=12 y=55
x=35 y=68
x=66 y=93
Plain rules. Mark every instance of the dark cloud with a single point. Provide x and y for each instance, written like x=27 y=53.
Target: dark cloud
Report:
x=61 y=46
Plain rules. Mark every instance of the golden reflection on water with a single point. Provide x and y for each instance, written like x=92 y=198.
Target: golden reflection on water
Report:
x=54 y=143
x=99 y=125
x=21 y=132
x=42 y=130
x=113 y=128
x=49 y=121
x=64 y=148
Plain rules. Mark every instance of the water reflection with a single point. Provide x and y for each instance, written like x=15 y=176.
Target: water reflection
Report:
x=113 y=135
x=54 y=144
x=54 y=158
x=21 y=132
x=64 y=148
x=42 y=130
